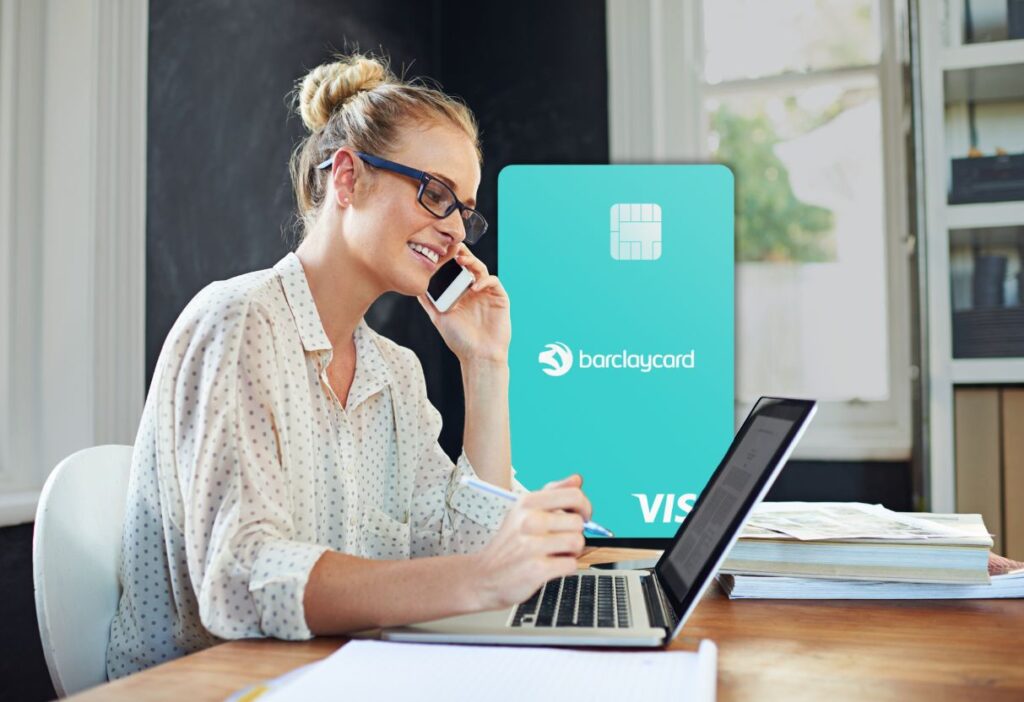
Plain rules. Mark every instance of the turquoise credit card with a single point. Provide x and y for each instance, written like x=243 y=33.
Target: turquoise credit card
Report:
x=621 y=284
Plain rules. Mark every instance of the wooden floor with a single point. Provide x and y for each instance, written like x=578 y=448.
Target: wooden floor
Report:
x=768 y=650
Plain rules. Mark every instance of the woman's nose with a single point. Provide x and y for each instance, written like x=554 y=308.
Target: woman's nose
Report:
x=454 y=227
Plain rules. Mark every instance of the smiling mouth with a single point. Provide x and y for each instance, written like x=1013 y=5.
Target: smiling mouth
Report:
x=425 y=252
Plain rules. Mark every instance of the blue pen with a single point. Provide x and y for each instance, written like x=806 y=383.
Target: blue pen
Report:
x=481 y=486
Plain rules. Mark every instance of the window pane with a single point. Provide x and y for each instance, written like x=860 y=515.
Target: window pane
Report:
x=798 y=153
x=757 y=38
x=811 y=274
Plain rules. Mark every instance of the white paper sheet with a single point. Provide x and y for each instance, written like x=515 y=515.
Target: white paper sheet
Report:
x=815 y=521
x=380 y=670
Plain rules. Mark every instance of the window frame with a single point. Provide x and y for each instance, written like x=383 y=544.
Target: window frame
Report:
x=656 y=115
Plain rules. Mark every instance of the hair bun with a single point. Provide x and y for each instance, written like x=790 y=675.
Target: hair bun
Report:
x=328 y=86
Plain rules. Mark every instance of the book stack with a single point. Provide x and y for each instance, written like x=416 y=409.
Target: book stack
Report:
x=797 y=550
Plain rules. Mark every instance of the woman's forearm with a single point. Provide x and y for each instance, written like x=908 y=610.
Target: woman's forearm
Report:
x=345 y=593
x=486 y=433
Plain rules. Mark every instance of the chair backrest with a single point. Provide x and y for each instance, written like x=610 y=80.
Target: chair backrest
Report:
x=75 y=556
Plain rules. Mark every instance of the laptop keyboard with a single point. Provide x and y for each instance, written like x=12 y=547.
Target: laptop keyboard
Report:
x=577 y=600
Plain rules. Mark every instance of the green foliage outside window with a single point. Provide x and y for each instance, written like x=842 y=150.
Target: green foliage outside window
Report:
x=771 y=223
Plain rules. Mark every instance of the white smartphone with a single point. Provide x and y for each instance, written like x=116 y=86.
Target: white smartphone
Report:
x=448 y=284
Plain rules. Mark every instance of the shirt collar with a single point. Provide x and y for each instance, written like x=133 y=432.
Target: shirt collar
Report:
x=300 y=300
x=372 y=372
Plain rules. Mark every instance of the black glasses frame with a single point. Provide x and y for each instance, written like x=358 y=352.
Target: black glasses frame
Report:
x=472 y=221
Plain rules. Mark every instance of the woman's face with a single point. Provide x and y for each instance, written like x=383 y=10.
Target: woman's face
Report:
x=385 y=221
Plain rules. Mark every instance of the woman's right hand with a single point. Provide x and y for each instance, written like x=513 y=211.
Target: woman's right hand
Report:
x=540 y=538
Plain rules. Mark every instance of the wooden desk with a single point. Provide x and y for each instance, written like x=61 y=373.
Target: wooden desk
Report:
x=768 y=650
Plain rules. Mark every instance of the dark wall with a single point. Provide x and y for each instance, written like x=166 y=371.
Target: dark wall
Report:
x=886 y=483
x=219 y=200
x=23 y=674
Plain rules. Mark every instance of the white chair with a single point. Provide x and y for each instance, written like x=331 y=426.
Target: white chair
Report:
x=75 y=555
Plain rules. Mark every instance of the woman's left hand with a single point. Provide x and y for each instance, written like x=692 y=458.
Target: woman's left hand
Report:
x=478 y=326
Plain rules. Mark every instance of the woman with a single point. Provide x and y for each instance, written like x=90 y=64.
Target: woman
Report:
x=286 y=479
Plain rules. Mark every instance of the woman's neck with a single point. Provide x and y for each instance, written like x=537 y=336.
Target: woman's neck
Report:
x=341 y=288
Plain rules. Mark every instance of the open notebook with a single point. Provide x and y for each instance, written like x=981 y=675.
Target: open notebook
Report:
x=383 y=670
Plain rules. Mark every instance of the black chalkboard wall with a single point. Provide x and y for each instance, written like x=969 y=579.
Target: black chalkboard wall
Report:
x=219 y=202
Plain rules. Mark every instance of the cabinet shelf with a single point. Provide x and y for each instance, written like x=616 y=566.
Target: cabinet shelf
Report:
x=985 y=84
x=984 y=72
x=969 y=371
x=985 y=214
x=984 y=55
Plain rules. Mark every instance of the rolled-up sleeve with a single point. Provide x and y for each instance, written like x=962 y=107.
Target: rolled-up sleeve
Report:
x=247 y=566
x=446 y=516
x=482 y=509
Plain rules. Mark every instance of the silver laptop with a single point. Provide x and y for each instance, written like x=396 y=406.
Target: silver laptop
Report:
x=645 y=608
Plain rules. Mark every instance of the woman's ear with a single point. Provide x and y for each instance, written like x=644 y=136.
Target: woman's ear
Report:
x=344 y=173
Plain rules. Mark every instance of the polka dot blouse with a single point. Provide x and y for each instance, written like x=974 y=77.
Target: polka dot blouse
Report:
x=247 y=468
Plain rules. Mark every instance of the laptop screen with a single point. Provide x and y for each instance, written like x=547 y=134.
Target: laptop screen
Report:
x=729 y=496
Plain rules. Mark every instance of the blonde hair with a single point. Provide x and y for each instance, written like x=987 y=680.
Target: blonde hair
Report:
x=357 y=102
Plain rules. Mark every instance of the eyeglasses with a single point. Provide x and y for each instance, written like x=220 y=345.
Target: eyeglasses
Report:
x=434 y=195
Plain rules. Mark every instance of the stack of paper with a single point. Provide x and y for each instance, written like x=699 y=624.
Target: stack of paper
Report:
x=378 y=670
x=804 y=550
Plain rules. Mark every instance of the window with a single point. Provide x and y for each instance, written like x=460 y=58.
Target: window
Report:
x=803 y=100
x=791 y=102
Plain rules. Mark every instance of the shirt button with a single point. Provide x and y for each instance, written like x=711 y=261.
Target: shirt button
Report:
x=352 y=520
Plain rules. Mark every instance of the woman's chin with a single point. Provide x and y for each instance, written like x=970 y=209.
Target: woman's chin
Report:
x=412 y=286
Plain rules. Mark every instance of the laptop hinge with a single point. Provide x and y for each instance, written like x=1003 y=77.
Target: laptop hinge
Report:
x=659 y=611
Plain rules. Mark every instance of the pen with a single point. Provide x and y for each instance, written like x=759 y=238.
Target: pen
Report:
x=481 y=486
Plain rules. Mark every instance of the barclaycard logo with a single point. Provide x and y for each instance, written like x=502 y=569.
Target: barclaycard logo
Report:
x=557 y=357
